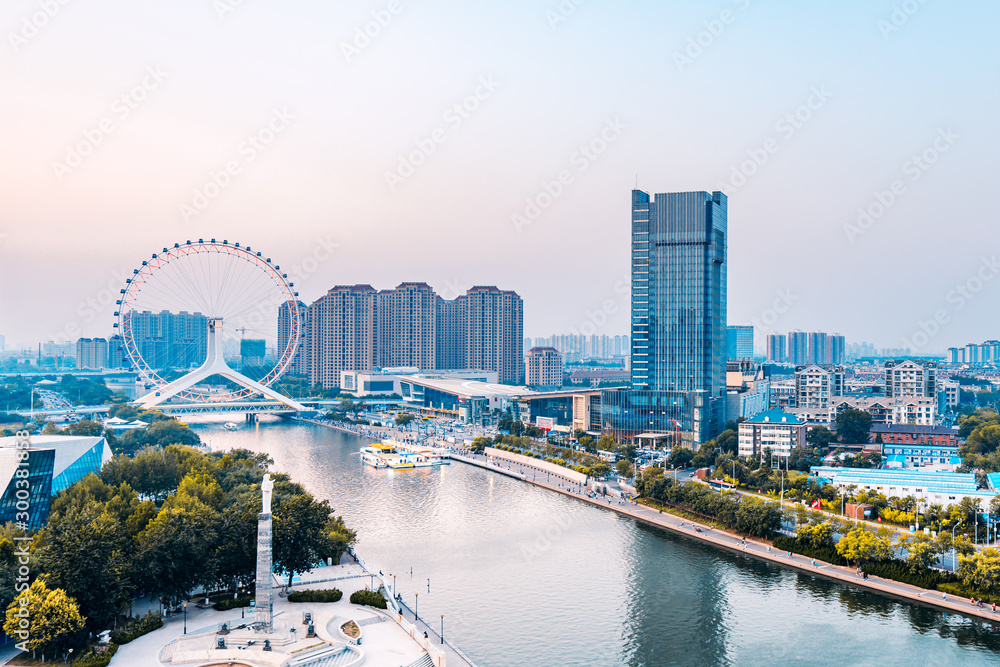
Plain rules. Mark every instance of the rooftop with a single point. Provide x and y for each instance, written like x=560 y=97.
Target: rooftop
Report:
x=775 y=416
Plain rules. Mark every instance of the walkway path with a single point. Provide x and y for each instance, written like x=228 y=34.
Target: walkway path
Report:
x=751 y=547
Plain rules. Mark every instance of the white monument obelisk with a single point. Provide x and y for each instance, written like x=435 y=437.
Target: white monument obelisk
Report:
x=264 y=604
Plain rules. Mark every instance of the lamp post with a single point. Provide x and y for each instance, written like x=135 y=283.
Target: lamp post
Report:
x=394 y=585
x=185 y=618
x=71 y=658
x=442 y=629
x=953 y=554
x=416 y=606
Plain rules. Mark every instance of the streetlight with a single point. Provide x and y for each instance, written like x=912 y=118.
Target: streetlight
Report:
x=185 y=618
x=953 y=554
x=394 y=585
x=416 y=606
x=71 y=658
x=442 y=629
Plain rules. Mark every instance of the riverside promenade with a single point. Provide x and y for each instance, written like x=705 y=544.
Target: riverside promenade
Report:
x=754 y=548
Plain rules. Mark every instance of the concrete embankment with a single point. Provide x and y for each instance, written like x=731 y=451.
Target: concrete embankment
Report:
x=752 y=548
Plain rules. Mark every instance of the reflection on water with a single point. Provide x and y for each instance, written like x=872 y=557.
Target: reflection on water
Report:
x=527 y=577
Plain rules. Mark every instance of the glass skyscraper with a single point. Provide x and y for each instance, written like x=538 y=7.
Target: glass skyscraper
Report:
x=678 y=319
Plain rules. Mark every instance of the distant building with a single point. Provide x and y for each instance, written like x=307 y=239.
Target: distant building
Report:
x=739 y=342
x=777 y=350
x=885 y=411
x=545 y=368
x=774 y=430
x=973 y=353
x=252 y=352
x=54 y=463
x=91 y=353
x=819 y=348
x=116 y=353
x=837 y=349
x=909 y=379
x=167 y=339
x=910 y=434
x=948 y=395
x=299 y=364
x=798 y=347
x=816 y=385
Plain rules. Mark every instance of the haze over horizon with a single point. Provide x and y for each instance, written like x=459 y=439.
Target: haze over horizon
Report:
x=433 y=151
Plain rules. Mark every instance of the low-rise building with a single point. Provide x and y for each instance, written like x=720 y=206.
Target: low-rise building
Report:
x=942 y=488
x=912 y=434
x=909 y=378
x=776 y=430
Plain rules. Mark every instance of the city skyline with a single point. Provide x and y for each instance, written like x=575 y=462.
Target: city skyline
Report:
x=798 y=126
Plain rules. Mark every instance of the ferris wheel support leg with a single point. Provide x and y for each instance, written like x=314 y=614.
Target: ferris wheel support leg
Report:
x=215 y=364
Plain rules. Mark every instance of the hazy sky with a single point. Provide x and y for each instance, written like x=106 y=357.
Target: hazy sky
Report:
x=116 y=112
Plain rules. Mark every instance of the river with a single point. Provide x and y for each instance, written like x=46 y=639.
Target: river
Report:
x=524 y=576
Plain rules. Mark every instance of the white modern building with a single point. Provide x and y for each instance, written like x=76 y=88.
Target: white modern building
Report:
x=910 y=379
x=942 y=488
x=817 y=385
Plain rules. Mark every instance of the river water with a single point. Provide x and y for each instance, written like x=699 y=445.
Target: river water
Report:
x=524 y=576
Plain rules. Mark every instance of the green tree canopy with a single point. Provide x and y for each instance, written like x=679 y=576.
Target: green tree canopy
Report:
x=853 y=426
x=859 y=545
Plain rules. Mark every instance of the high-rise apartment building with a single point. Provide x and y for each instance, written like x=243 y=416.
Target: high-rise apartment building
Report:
x=837 y=349
x=777 y=351
x=910 y=379
x=299 y=365
x=495 y=326
x=91 y=353
x=798 y=347
x=355 y=328
x=819 y=348
x=544 y=367
x=678 y=319
x=169 y=340
x=341 y=333
x=407 y=327
x=739 y=342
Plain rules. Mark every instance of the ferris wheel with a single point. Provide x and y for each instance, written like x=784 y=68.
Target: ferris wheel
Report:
x=190 y=306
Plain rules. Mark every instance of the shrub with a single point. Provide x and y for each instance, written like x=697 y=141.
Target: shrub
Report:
x=98 y=656
x=136 y=628
x=325 y=595
x=370 y=598
x=960 y=590
x=232 y=603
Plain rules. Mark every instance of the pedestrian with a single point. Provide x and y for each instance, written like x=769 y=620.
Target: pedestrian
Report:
x=994 y=607
x=944 y=596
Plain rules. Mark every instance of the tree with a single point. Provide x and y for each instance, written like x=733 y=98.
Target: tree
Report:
x=624 y=468
x=984 y=440
x=853 y=426
x=728 y=442
x=86 y=427
x=88 y=553
x=756 y=517
x=176 y=549
x=801 y=458
x=302 y=534
x=859 y=545
x=980 y=570
x=480 y=443
x=680 y=457
x=52 y=618
x=818 y=535
x=921 y=552
x=403 y=419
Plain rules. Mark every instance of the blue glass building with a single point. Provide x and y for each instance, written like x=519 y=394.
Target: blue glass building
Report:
x=678 y=319
x=53 y=463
